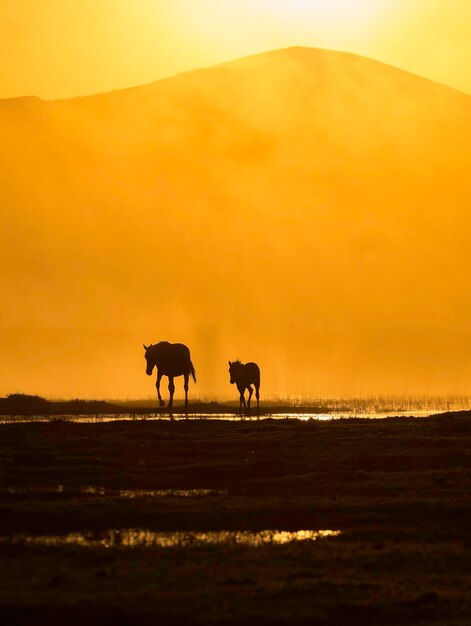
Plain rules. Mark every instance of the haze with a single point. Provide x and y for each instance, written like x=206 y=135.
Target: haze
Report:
x=62 y=48
x=303 y=208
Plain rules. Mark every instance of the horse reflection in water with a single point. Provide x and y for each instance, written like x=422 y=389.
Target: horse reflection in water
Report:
x=244 y=375
x=171 y=360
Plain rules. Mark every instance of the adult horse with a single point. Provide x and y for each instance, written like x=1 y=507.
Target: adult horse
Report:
x=244 y=375
x=171 y=360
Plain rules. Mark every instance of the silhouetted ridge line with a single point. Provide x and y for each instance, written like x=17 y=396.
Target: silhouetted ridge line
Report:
x=301 y=55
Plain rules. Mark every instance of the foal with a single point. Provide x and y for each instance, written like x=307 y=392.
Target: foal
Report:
x=244 y=375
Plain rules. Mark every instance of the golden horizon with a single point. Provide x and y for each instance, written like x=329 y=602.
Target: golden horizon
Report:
x=61 y=51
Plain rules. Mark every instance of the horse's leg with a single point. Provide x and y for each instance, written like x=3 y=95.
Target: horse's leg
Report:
x=185 y=385
x=257 y=395
x=157 y=385
x=241 y=389
x=171 y=388
x=250 y=396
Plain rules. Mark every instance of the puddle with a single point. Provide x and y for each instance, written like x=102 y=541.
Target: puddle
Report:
x=170 y=493
x=90 y=490
x=24 y=491
x=136 y=538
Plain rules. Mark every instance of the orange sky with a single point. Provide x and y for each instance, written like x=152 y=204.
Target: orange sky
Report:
x=305 y=209
x=62 y=48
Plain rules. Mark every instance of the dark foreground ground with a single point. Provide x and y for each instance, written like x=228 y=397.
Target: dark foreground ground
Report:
x=399 y=490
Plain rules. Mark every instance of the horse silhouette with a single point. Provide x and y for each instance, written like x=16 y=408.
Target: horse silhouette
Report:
x=171 y=360
x=244 y=375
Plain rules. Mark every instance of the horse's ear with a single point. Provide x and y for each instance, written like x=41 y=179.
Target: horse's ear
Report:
x=145 y=347
x=230 y=363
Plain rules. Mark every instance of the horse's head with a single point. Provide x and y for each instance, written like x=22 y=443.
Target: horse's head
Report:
x=233 y=368
x=150 y=360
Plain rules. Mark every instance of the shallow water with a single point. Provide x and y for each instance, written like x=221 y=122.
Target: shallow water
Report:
x=139 y=538
x=230 y=417
x=169 y=493
x=91 y=490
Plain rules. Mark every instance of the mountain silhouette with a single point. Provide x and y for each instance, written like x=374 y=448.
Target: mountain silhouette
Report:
x=303 y=208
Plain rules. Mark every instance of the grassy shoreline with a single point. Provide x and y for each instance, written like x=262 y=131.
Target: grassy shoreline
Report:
x=21 y=405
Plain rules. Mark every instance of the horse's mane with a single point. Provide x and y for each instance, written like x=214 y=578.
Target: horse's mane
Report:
x=238 y=362
x=154 y=346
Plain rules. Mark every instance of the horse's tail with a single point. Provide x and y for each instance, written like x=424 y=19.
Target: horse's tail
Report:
x=192 y=371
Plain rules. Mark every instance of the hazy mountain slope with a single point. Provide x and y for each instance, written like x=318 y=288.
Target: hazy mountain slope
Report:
x=305 y=208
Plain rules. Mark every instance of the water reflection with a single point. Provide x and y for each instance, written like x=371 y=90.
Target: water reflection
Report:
x=230 y=417
x=170 y=493
x=40 y=490
x=91 y=490
x=138 y=538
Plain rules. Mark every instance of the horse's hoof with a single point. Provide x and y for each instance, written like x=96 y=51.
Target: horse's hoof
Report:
x=162 y=403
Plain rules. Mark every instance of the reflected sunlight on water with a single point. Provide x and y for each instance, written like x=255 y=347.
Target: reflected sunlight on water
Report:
x=170 y=493
x=138 y=538
x=42 y=490
x=230 y=417
x=91 y=490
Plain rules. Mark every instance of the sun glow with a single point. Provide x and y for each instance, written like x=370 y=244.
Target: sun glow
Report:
x=229 y=29
x=62 y=49
x=340 y=12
